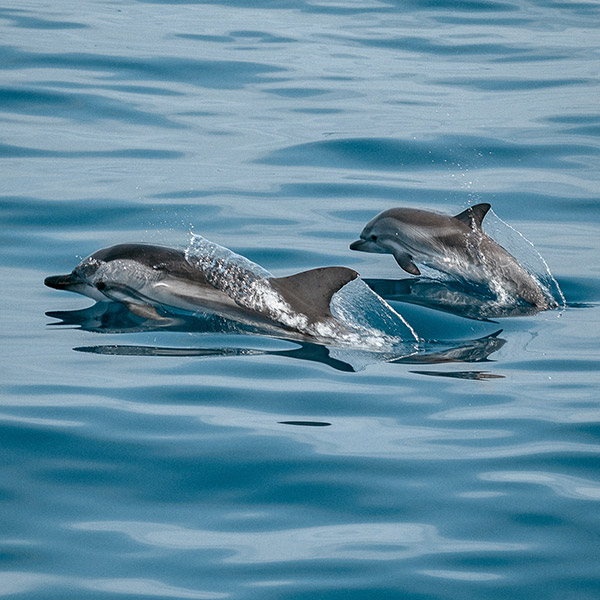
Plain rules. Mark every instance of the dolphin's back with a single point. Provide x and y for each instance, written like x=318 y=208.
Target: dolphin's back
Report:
x=419 y=218
x=469 y=219
x=159 y=258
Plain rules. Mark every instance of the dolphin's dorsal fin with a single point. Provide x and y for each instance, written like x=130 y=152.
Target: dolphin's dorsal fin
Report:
x=310 y=292
x=473 y=216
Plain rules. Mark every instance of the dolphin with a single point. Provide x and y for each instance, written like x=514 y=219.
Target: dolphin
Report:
x=146 y=277
x=453 y=245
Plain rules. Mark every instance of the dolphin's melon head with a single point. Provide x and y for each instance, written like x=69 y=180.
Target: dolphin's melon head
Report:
x=375 y=236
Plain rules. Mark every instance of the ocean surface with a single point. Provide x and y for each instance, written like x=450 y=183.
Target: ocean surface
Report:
x=197 y=461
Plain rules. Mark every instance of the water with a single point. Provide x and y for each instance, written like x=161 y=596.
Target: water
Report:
x=142 y=462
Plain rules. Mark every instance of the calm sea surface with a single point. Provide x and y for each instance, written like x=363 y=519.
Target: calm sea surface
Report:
x=177 y=463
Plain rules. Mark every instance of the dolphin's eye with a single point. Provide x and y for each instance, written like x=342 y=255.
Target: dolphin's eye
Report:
x=374 y=238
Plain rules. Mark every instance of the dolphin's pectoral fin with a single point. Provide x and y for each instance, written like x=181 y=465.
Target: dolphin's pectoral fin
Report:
x=310 y=292
x=405 y=261
x=473 y=216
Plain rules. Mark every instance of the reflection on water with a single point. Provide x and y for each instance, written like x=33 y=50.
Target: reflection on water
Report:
x=459 y=298
x=115 y=317
x=112 y=317
x=477 y=375
x=477 y=350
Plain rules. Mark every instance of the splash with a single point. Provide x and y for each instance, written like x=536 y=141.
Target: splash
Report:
x=361 y=318
x=358 y=306
x=529 y=258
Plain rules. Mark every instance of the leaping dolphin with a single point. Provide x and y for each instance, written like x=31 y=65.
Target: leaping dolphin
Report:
x=454 y=245
x=144 y=277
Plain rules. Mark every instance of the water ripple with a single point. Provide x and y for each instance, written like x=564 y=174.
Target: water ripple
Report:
x=27 y=20
x=353 y=541
x=450 y=48
x=217 y=74
x=441 y=152
x=10 y=151
x=77 y=106
x=563 y=485
x=508 y=84
x=17 y=582
x=148 y=588
x=373 y=437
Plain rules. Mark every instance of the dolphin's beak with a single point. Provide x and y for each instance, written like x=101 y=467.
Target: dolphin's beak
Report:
x=368 y=246
x=59 y=282
x=73 y=283
x=360 y=245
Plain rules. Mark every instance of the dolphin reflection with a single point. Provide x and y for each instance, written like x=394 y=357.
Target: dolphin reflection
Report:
x=116 y=318
x=460 y=298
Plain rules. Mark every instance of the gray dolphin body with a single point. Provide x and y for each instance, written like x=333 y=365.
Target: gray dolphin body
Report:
x=454 y=245
x=144 y=276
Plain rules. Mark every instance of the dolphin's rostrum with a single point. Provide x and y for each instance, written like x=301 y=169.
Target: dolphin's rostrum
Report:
x=453 y=245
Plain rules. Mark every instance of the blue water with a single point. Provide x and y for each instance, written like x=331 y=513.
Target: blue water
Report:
x=199 y=463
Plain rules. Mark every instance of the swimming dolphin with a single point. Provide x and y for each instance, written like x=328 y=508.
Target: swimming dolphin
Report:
x=144 y=277
x=454 y=245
